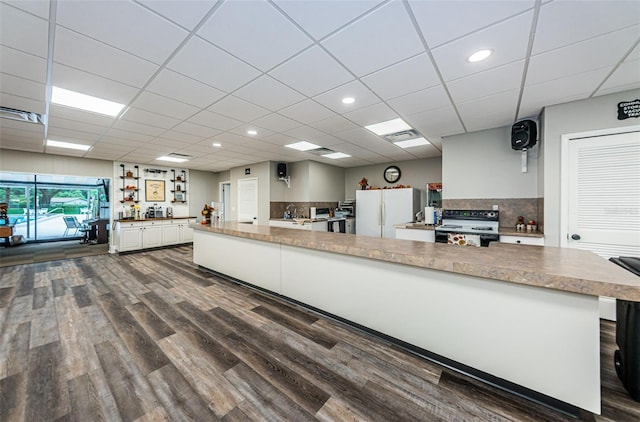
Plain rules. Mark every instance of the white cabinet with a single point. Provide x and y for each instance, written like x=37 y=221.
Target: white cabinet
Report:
x=291 y=224
x=135 y=235
x=423 y=235
x=522 y=240
x=151 y=234
x=129 y=235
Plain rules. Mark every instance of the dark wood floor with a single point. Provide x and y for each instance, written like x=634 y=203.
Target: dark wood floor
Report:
x=29 y=253
x=149 y=337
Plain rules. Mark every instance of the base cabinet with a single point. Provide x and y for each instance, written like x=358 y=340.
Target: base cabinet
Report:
x=522 y=240
x=416 y=234
x=136 y=235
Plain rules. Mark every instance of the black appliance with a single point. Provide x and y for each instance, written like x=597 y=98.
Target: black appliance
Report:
x=282 y=170
x=481 y=224
x=523 y=135
x=627 y=358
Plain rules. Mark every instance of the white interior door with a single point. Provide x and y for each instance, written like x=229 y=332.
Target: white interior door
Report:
x=247 y=199
x=225 y=198
x=603 y=198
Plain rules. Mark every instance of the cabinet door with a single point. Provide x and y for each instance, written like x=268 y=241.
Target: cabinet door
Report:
x=130 y=238
x=186 y=232
x=152 y=235
x=170 y=233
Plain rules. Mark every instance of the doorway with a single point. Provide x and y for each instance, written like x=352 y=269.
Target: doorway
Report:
x=601 y=196
x=225 y=199
x=248 y=200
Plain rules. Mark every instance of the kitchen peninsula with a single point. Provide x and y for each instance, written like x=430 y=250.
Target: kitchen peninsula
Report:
x=525 y=316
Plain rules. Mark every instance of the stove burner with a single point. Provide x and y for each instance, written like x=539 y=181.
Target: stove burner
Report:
x=482 y=228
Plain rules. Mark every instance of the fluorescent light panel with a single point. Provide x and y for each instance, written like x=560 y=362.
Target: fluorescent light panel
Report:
x=85 y=102
x=303 y=146
x=336 y=155
x=390 y=126
x=172 y=159
x=412 y=143
x=67 y=145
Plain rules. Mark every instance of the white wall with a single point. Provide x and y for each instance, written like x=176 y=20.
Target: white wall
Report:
x=326 y=182
x=203 y=189
x=579 y=116
x=416 y=173
x=310 y=181
x=33 y=162
x=260 y=171
x=483 y=165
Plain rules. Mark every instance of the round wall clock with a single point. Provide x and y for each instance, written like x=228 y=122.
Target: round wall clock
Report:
x=392 y=174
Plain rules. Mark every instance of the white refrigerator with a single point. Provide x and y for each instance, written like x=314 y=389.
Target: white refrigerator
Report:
x=377 y=211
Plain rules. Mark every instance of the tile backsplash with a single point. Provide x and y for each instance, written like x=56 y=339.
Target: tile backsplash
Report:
x=510 y=208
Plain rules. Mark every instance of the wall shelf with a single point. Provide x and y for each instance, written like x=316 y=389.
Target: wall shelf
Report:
x=130 y=192
x=179 y=190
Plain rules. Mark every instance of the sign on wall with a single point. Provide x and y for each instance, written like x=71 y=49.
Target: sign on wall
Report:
x=627 y=109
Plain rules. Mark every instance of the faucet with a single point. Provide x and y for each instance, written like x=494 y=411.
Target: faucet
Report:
x=287 y=213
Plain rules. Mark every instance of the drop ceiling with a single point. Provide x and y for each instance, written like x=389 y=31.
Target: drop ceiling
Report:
x=195 y=73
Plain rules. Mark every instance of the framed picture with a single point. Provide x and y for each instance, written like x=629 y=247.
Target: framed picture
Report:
x=179 y=197
x=154 y=190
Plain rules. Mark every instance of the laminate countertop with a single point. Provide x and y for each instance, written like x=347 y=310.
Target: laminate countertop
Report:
x=140 y=220
x=564 y=269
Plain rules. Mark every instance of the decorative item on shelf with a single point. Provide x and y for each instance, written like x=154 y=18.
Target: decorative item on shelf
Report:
x=207 y=213
x=531 y=226
x=129 y=173
x=363 y=183
x=520 y=226
x=178 y=178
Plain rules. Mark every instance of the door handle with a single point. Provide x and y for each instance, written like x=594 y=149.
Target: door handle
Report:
x=575 y=236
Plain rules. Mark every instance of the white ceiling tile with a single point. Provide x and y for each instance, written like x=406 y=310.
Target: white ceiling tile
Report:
x=557 y=21
x=138 y=128
x=17 y=126
x=77 y=115
x=83 y=138
x=22 y=64
x=104 y=154
x=181 y=137
x=306 y=133
x=208 y=64
x=384 y=37
x=36 y=7
x=579 y=57
x=242 y=131
x=76 y=125
x=489 y=112
x=87 y=83
x=403 y=78
x=255 y=32
x=238 y=108
x=624 y=78
x=92 y=56
x=561 y=90
x=301 y=72
x=22 y=103
x=279 y=139
x=148 y=118
x=307 y=112
x=372 y=114
x=508 y=40
x=321 y=17
x=334 y=124
x=436 y=123
x=174 y=85
x=482 y=84
x=13 y=23
x=21 y=87
x=424 y=100
x=196 y=129
x=163 y=105
x=333 y=99
x=261 y=92
x=436 y=18
x=214 y=120
x=139 y=31
x=361 y=137
x=187 y=13
x=119 y=140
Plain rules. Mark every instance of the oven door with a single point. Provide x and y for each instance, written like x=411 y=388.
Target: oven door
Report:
x=485 y=238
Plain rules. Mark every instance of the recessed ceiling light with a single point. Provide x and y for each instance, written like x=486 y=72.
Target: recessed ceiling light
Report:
x=68 y=145
x=336 y=155
x=85 y=102
x=252 y=132
x=303 y=146
x=217 y=144
x=390 y=126
x=348 y=100
x=172 y=159
x=479 y=55
x=412 y=143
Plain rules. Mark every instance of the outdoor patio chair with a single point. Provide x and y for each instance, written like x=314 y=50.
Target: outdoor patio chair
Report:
x=72 y=223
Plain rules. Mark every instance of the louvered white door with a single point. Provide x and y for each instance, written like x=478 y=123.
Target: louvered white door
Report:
x=604 y=194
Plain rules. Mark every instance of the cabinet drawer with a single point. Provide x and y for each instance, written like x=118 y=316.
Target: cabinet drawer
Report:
x=523 y=240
